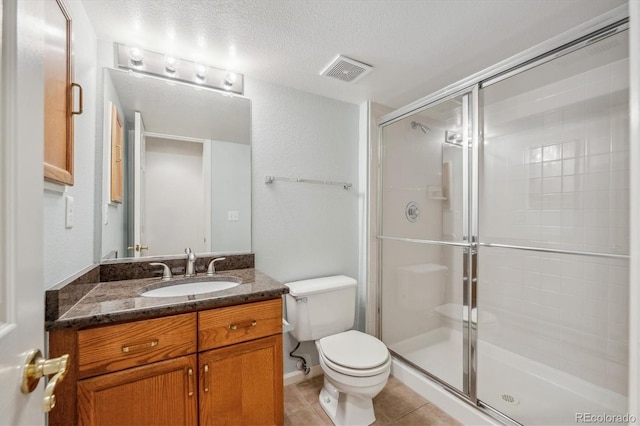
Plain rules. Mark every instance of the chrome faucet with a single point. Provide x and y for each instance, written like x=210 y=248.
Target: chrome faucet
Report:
x=211 y=270
x=166 y=271
x=190 y=269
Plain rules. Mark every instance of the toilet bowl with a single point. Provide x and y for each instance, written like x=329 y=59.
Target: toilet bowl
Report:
x=356 y=368
x=356 y=365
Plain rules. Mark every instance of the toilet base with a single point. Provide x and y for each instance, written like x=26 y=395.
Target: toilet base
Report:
x=346 y=409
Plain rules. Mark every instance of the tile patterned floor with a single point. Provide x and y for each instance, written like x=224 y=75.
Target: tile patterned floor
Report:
x=395 y=405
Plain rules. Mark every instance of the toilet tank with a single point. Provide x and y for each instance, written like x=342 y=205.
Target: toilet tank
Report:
x=321 y=307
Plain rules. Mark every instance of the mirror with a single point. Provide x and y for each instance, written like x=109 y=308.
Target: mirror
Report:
x=176 y=168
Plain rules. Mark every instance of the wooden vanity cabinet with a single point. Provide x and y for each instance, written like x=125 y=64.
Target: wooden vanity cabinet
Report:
x=161 y=393
x=240 y=365
x=252 y=372
x=163 y=371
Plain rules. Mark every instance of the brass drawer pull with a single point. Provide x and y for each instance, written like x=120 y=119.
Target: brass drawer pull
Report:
x=205 y=378
x=246 y=324
x=190 y=378
x=138 y=346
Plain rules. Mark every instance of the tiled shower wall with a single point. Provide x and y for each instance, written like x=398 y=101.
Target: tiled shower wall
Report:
x=556 y=175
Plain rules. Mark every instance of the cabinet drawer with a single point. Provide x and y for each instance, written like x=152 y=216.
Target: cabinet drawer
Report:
x=226 y=326
x=116 y=347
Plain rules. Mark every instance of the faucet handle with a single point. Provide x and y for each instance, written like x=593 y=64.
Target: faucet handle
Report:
x=190 y=254
x=166 y=272
x=212 y=266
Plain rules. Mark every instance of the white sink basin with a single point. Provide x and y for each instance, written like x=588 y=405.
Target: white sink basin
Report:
x=189 y=289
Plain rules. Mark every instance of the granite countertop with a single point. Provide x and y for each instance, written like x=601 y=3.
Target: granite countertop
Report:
x=117 y=301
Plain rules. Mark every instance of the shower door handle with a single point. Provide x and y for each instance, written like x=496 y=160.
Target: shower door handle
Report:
x=466 y=343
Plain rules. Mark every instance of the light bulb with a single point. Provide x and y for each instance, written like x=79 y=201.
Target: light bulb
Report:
x=170 y=64
x=228 y=81
x=136 y=55
x=201 y=72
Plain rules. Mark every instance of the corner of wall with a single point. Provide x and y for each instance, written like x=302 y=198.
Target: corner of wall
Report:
x=375 y=112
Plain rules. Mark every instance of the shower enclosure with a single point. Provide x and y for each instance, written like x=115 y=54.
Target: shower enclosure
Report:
x=504 y=236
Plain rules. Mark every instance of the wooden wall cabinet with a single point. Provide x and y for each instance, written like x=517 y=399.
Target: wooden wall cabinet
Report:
x=165 y=371
x=117 y=156
x=58 y=88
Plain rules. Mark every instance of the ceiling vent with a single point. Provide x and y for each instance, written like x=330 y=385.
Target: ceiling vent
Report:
x=346 y=69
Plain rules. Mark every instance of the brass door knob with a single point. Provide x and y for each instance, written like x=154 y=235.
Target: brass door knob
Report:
x=35 y=366
x=138 y=247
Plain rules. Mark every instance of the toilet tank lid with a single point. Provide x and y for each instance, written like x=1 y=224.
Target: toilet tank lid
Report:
x=320 y=285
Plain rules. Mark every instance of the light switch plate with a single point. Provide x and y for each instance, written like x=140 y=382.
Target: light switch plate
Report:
x=233 y=215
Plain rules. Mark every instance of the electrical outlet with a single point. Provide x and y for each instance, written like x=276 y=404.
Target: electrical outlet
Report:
x=69 y=212
x=233 y=216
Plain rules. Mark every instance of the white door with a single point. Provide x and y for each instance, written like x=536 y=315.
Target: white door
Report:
x=175 y=170
x=139 y=187
x=21 y=186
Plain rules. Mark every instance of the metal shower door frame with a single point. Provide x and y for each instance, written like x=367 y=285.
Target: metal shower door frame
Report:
x=469 y=244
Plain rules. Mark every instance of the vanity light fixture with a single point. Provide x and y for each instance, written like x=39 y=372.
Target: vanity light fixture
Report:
x=140 y=61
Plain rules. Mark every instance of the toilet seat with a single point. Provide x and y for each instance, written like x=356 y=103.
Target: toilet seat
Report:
x=354 y=353
x=353 y=372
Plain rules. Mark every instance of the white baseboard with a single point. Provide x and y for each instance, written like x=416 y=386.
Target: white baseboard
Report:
x=298 y=376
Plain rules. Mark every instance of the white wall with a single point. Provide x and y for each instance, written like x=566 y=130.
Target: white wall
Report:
x=303 y=230
x=66 y=251
x=230 y=191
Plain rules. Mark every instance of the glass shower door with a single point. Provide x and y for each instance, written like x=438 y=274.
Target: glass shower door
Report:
x=424 y=239
x=554 y=241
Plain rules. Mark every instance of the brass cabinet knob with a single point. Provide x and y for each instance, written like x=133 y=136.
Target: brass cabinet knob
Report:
x=35 y=366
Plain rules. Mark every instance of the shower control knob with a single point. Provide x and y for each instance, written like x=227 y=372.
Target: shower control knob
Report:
x=412 y=211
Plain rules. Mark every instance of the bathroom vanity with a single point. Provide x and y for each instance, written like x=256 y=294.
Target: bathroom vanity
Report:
x=213 y=358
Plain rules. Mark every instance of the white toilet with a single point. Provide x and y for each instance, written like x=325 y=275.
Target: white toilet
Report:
x=356 y=365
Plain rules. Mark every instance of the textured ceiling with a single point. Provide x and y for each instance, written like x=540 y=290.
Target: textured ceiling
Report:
x=415 y=46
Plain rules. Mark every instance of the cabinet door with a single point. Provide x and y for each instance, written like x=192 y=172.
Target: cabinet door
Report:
x=117 y=157
x=162 y=393
x=242 y=384
x=58 y=115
